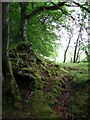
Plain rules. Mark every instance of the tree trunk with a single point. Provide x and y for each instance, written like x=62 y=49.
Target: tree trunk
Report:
x=87 y=50
x=65 y=57
x=87 y=54
x=66 y=50
x=78 y=55
x=76 y=46
x=10 y=88
x=23 y=26
x=75 y=50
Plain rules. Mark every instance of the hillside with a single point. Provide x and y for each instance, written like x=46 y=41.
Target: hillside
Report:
x=47 y=90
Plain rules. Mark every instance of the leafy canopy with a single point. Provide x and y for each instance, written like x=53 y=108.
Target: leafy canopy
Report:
x=40 y=30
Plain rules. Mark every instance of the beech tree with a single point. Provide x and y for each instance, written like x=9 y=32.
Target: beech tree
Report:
x=68 y=45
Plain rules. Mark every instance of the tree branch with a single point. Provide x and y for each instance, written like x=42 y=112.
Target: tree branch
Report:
x=40 y=9
x=81 y=6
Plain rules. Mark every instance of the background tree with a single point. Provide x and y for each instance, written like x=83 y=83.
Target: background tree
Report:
x=70 y=38
x=76 y=48
x=81 y=21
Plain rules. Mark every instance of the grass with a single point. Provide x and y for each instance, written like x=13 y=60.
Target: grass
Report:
x=40 y=106
x=78 y=70
x=79 y=99
x=48 y=84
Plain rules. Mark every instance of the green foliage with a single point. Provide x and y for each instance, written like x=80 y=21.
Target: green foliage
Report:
x=42 y=39
x=41 y=35
x=33 y=72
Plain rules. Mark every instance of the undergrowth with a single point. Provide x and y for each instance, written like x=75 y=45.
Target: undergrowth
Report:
x=46 y=80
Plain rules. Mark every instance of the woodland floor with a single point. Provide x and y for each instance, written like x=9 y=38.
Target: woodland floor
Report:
x=71 y=105
x=61 y=95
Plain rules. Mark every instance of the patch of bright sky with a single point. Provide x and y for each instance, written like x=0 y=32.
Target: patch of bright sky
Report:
x=64 y=38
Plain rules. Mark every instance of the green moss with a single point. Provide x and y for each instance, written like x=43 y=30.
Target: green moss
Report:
x=23 y=55
x=29 y=66
x=40 y=108
x=26 y=70
x=64 y=70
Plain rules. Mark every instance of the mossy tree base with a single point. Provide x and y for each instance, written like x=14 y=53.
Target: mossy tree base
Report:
x=10 y=89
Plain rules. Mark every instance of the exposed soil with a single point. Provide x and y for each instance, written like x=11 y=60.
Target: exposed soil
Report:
x=63 y=101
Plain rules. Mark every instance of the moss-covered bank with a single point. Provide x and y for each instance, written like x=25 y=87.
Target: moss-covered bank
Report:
x=47 y=90
x=40 y=81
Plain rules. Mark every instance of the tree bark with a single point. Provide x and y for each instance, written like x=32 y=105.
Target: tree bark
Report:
x=78 y=55
x=10 y=88
x=87 y=54
x=76 y=46
x=66 y=50
x=45 y=8
x=82 y=6
x=75 y=50
x=23 y=25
